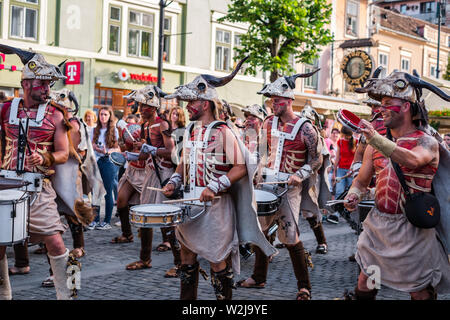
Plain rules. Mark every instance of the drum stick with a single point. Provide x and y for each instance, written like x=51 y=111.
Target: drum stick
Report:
x=186 y=200
x=273 y=182
x=130 y=134
x=155 y=189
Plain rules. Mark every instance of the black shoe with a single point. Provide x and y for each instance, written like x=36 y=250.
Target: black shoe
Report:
x=352 y=258
x=333 y=219
x=322 y=249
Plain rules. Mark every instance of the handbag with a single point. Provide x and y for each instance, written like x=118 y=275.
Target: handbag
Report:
x=421 y=208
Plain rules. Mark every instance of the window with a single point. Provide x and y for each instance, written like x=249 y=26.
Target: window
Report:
x=432 y=71
x=351 y=24
x=448 y=41
x=383 y=60
x=405 y=64
x=140 y=34
x=166 y=46
x=312 y=82
x=238 y=44
x=427 y=7
x=223 y=49
x=403 y=8
x=24 y=19
x=114 y=29
x=103 y=97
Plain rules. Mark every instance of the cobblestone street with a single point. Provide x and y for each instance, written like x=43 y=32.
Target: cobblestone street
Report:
x=104 y=276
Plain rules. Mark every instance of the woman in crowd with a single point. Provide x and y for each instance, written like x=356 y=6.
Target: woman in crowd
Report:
x=345 y=153
x=90 y=118
x=178 y=123
x=105 y=138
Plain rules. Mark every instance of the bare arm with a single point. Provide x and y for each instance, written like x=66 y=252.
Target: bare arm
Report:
x=60 y=140
x=426 y=152
x=169 y=144
x=234 y=156
x=311 y=139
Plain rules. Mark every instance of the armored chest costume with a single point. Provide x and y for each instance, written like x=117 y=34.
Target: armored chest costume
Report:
x=389 y=240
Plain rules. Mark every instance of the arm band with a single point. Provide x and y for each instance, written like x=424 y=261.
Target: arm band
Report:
x=356 y=191
x=304 y=172
x=49 y=159
x=221 y=184
x=382 y=144
x=176 y=180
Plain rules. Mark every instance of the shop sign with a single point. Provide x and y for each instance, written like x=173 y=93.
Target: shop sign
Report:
x=357 y=67
x=74 y=71
x=124 y=75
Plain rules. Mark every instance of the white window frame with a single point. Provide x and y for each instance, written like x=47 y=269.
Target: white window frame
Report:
x=141 y=28
x=356 y=17
x=223 y=45
x=115 y=23
x=432 y=67
x=34 y=7
x=408 y=60
x=309 y=68
x=386 y=54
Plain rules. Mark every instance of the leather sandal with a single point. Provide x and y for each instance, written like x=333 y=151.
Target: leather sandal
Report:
x=163 y=247
x=78 y=252
x=122 y=239
x=48 y=283
x=171 y=273
x=16 y=270
x=245 y=284
x=303 y=294
x=138 y=265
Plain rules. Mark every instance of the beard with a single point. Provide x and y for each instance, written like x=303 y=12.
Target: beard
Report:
x=38 y=96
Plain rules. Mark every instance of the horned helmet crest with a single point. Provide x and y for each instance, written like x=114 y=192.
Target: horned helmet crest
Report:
x=66 y=97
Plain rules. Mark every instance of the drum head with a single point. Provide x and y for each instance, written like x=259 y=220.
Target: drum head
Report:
x=117 y=158
x=155 y=208
x=265 y=196
x=8 y=195
x=349 y=119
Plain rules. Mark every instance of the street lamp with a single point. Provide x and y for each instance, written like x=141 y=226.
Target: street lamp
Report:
x=439 y=36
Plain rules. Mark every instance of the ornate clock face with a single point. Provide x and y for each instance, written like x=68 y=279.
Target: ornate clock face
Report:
x=357 y=67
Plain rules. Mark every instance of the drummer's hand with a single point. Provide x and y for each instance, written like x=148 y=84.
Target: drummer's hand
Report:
x=35 y=159
x=352 y=203
x=207 y=195
x=294 y=180
x=366 y=128
x=168 y=189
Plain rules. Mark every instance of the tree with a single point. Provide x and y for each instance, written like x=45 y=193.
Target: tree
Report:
x=279 y=29
x=447 y=72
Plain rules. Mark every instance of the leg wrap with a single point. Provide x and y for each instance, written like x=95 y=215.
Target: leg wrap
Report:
x=317 y=228
x=5 y=286
x=146 y=244
x=223 y=283
x=188 y=274
x=59 y=268
x=365 y=295
x=124 y=215
x=77 y=233
x=174 y=245
x=261 y=266
x=21 y=255
x=298 y=258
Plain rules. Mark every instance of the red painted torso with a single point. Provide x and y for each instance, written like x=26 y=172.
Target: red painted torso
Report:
x=389 y=195
x=40 y=139
x=213 y=157
x=294 y=152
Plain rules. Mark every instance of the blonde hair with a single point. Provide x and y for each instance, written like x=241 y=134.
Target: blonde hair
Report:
x=90 y=112
x=181 y=118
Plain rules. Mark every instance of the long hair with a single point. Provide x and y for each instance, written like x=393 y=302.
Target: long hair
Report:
x=351 y=143
x=110 y=135
x=181 y=122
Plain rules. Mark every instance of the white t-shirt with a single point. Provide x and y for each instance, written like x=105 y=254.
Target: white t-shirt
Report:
x=102 y=141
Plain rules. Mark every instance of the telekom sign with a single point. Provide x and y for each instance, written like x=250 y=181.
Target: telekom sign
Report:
x=74 y=72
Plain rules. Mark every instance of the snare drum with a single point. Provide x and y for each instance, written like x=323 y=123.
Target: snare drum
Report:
x=349 y=120
x=117 y=158
x=155 y=215
x=267 y=202
x=14 y=214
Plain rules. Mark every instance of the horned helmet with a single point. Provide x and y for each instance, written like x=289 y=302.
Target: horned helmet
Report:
x=66 y=97
x=311 y=114
x=35 y=66
x=203 y=87
x=149 y=95
x=255 y=110
x=403 y=86
x=284 y=86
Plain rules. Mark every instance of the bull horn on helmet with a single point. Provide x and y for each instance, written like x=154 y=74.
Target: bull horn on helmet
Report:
x=160 y=93
x=25 y=56
x=291 y=79
x=73 y=98
x=377 y=72
x=375 y=75
x=419 y=83
x=219 y=82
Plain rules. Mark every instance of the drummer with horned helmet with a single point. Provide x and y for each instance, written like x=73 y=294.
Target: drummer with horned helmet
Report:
x=44 y=134
x=214 y=170
x=410 y=257
x=294 y=157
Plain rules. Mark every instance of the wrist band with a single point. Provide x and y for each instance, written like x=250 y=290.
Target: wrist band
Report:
x=304 y=172
x=221 y=184
x=382 y=144
x=176 y=180
x=356 y=191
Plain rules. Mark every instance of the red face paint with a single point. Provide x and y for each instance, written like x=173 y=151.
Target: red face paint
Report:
x=39 y=88
x=392 y=108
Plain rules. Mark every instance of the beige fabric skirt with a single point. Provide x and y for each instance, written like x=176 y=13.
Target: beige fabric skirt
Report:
x=213 y=235
x=409 y=258
x=151 y=180
x=44 y=216
x=136 y=178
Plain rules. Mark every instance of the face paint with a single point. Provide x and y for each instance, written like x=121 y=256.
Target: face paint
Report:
x=39 y=88
x=392 y=108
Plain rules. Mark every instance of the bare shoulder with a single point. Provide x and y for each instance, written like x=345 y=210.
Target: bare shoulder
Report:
x=309 y=133
x=428 y=142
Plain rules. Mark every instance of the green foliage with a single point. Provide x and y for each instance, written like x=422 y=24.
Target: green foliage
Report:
x=435 y=124
x=279 y=29
x=447 y=72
